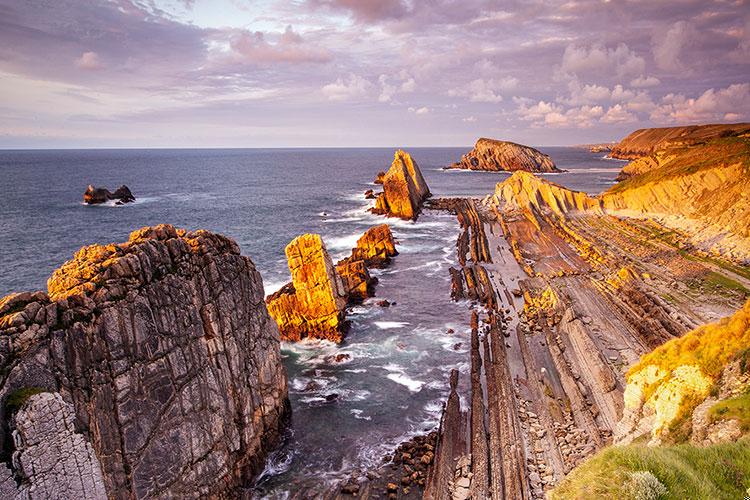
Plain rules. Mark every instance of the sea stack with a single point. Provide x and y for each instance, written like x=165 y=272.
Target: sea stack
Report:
x=150 y=368
x=374 y=249
x=313 y=304
x=94 y=195
x=502 y=156
x=404 y=189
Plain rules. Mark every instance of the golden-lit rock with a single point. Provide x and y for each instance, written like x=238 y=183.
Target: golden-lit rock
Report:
x=404 y=189
x=312 y=305
x=356 y=277
x=495 y=156
x=524 y=190
x=376 y=246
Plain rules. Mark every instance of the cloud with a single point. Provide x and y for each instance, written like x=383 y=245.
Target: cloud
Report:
x=365 y=10
x=668 y=45
x=644 y=82
x=581 y=59
x=289 y=48
x=469 y=119
x=88 y=60
x=547 y=114
x=618 y=114
x=419 y=111
x=728 y=104
x=348 y=88
x=484 y=90
x=392 y=85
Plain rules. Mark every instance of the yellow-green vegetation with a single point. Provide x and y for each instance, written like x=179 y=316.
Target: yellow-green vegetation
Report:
x=662 y=472
x=709 y=347
x=737 y=408
x=17 y=398
x=692 y=159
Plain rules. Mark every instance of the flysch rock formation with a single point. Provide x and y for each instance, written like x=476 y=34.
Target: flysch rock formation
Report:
x=313 y=304
x=404 y=189
x=496 y=156
x=94 y=195
x=567 y=296
x=646 y=141
x=150 y=368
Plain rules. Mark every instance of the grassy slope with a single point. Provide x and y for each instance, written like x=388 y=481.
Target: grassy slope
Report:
x=714 y=472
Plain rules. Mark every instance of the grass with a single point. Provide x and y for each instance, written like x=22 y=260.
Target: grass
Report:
x=737 y=408
x=717 y=472
x=17 y=398
x=720 y=281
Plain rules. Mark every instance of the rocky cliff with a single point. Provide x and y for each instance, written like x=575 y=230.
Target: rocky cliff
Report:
x=493 y=155
x=151 y=368
x=376 y=246
x=668 y=385
x=404 y=189
x=646 y=141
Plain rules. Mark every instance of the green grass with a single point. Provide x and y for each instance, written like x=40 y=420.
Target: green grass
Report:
x=717 y=472
x=721 y=281
x=737 y=408
x=17 y=398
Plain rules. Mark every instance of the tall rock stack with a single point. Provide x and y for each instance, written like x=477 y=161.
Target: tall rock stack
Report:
x=374 y=249
x=404 y=189
x=313 y=304
x=162 y=351
x=495 y=156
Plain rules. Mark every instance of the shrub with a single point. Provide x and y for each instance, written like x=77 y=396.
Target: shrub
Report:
x=643 y=485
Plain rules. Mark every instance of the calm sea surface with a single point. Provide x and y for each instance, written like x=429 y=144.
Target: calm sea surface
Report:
x=395 y=379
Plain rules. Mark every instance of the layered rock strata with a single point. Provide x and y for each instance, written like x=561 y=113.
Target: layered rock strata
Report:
x=496 y=156
x=404 y=189
x=313 y=304
x=163 y=351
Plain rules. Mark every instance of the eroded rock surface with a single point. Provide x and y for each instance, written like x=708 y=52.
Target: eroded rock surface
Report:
x=404 y=189
x=495 y=156
x=376 y=246
x=165 y=350
x=313 y=304
x=94 y=195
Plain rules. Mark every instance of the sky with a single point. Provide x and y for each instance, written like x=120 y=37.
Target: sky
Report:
x=357 y=73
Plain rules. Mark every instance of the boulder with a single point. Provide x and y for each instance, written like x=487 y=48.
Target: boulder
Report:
x=313 y=304
x=376 y=246
x=404 y=189
x=495 y=156
x=163 y=353
x=94 y=195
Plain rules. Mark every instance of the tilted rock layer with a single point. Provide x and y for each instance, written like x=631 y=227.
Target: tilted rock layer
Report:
x=313 y=304
x=164 y=349
x=646 y=141
x=404 y=189
x=376 y=246
x=495 y=156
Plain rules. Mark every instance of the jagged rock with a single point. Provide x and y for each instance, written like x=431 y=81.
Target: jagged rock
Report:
x=495 y=156
x=313 y=304
x=404 y=189
x=166 y=352
x=94 y=195
x=356 y=279
x=376 y=246
x=523 y=190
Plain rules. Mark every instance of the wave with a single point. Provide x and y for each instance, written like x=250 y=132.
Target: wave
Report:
x=387 y=325
x=358 y=414
x=410 y=383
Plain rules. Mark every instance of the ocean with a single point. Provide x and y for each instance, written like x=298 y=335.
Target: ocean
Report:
x=347 y=414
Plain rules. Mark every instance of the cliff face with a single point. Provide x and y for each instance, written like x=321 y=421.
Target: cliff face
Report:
x=646 y=141
x=163 y=350
x=495 y=156
x=667 y=387
x=404 y=189
x=702 y=190
x=312 y=305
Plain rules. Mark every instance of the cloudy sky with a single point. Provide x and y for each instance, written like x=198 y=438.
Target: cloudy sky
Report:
x=267 y=73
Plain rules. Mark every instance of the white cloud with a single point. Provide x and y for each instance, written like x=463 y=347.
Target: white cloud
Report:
x=391 y=85
x=344 y=89
x=419 y=111
x=88 y=60
x=618 y=114
x=643 y=82
x=547 y=114
x=598 y=58
x=641 y=103
x=485 y=90
x=469 y=119
x=668 y=45
x=729 y=104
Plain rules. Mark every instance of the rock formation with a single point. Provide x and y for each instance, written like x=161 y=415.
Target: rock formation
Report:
x=94 y=195
x=404 y=189
x=313 y=304
x=496 y=156
x=668 y=384
x=376 y=246
x=162 y=351
x=646 y=141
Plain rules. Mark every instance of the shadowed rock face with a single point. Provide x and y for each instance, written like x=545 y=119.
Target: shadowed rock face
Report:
x=404 y=189
x=163 y=348
x=496 y=156
x=94 y=195
x=312 y=305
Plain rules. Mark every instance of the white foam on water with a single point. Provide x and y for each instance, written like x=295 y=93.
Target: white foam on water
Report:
x=410 y=383
x=387 y=325
x=347 y=241
x=271 y=286
x=358 y=414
